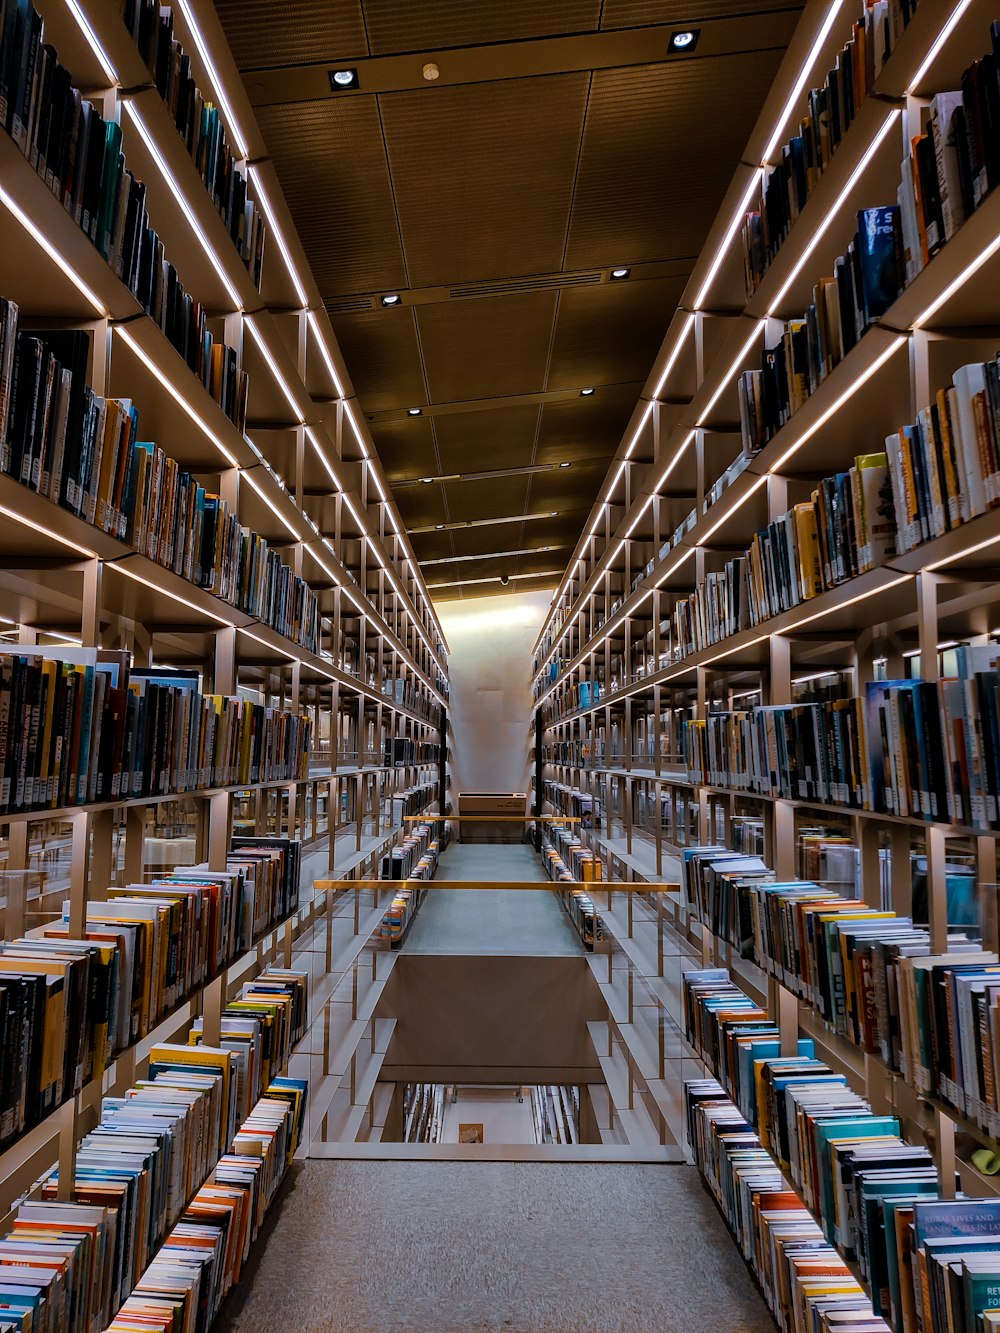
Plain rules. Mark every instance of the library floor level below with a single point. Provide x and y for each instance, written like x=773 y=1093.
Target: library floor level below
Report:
x=515 y=1247
x=491 y=921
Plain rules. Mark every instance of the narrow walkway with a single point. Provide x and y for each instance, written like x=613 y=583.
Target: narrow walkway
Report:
x=492 y=921
x=499 y=1247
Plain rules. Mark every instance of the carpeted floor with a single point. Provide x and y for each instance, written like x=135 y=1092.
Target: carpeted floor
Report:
x=492 y=921
x=450 y=1247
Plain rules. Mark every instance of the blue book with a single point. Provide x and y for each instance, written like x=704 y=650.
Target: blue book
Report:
x=879 y=250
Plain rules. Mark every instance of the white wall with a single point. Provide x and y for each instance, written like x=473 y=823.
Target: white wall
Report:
x=489 y=667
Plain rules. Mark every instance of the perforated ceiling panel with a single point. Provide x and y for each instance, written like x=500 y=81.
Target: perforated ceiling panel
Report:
x=402 y=25
x=276 y=32
x=652 y=172
x=486 y=348
x=331 y=164
x=480 y=192
x=495 y=201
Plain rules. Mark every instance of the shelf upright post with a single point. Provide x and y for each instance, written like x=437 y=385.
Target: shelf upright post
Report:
x=937 y=890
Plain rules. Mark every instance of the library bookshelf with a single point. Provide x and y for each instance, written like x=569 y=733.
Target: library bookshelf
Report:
x=301 y=474
x=619 y=682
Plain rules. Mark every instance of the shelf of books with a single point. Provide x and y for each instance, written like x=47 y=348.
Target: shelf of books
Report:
x=769 y=674
x=221 y=677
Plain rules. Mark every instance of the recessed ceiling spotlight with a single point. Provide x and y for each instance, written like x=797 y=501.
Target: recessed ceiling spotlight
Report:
x=620 y=274
x=685 y=40
x=586 y=393
x=426 y=481
x=393 y=298
x=414 y=412
x=431 y=71
x=565 y=465
x=439 y=526
x=553 y=513
x=342 y=80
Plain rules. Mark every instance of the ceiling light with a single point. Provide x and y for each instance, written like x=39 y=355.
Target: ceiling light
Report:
x=431 y=72
x=686 y=40
x=620 y=274
x=414 y=412
x=393 y=298
x=553 y=513
x=438 y=526
x=586 y=393
x=565 y=465
x=426 y=481
x=489 y=555
x=342 y=80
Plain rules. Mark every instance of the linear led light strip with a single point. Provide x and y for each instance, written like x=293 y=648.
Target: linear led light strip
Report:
x=495 y=578
x=313 y=665
x=862 y=379
x=833 y=210
x=122 y=568
x=758 y=483
x=61 y=263
x=46 y=532
x=182 y=202
x=103 y=59
x=779 y=128
x=986 y=253
x=251 y=481
x=851 y=601
x=122 y=331
x=241 y=145
x=938 y=45
x=273 y=367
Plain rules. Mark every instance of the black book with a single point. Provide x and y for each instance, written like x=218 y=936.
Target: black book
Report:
x=8 y=69
x=28 y=371
x=71 y=348
x=61 y=124
x=81 y=158
x=90 y=204
x=930 y=192
x=27 y=42
x=41 y=108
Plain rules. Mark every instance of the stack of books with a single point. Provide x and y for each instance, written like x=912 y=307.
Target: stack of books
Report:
x=953 y=164
x=832 y=109
x=79 y=156
x=79 y=725
x=865 y=283
x=200 y=126
x=82 y=451
x=918 y=749
x=567 y=862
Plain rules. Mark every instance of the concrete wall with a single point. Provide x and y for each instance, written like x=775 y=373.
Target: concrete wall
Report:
x=490 y=671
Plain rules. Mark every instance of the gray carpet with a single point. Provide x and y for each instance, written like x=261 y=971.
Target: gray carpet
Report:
x=448 y=1247
x=491 y=921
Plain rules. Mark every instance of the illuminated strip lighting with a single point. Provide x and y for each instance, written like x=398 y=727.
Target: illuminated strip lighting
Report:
x=251 y=481
x=321 y=455
x=495 y=578
x=46 y=532
x=313 y=665
x=324 y=352
x=356 y=428
x=686 y=328
x=272 y=366
x=41 y=239
x=938 y=45
x=490 y=555
x=779 y=128
x=960 y=555
x=958 y=283
x=676 y=459
x=728 y=652
x=174 y=392
x=354 y=513
x=833 y=210
x=174 y=597
x=688 y=552
x=639 y=429
x=860 y=597
x=724 y=244
x=323 y=566
x=103 y=59
x=726 y=380
x=948 y=643
x=239 y=139
x=758 y=483
x=800 y=82
x=279 y=237
x=834 y=407
x=378 y=484
x=183 y=204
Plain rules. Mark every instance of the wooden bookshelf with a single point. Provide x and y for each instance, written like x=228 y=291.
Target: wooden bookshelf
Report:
x=304 y=475
x=659 y=528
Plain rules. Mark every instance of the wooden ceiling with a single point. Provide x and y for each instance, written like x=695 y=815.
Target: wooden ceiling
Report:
x=559 y=141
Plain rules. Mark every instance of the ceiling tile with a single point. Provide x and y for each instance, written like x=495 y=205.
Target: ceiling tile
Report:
x=659 y=150
x=584 y=429
x=265 y=33
x=381 y=353
x=405 y=447
x=475 y=441
x=610 y=334
x=488 y=347
x=639 y=13
x=401 y=25
x=483 y=175
x=343 y=212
